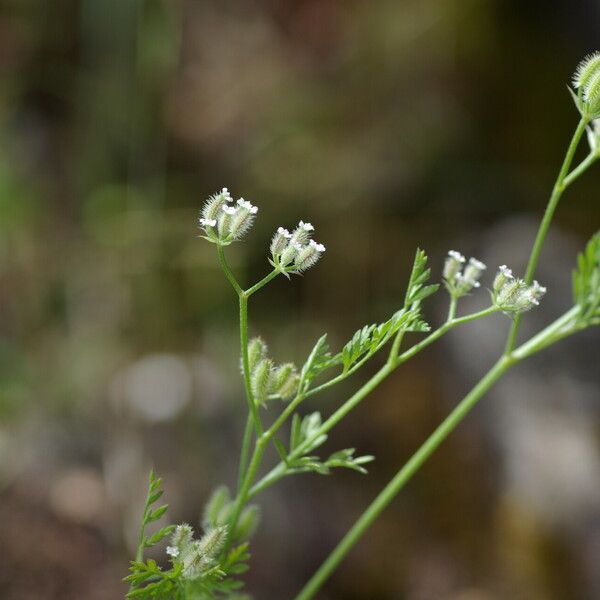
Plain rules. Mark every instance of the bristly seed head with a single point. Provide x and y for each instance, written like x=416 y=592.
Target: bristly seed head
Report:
x=513 y=296
x=586 y=81
x=224 y=223
x=295 y=252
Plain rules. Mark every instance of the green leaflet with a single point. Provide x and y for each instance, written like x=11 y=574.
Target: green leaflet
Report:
x=586 y=282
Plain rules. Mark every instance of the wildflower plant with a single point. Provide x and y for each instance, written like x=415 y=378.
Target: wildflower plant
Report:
x=208 y=565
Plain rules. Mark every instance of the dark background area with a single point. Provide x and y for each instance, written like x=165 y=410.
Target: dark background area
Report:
x=387 y=124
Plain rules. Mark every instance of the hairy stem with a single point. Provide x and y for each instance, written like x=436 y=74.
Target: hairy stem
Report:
x=252 y=408
x=244 y=455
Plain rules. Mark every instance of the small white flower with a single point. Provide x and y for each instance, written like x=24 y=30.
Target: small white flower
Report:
x=248 y=206
x=306 y=226
x=506 y=271
x=230 y=210
x=172 y=551
x=208 y=222
x=225 y=193
x=298 y=247
x=477 y=264
x=317 y=246
x=457 y=256
x=538 y=290
x=284 y=232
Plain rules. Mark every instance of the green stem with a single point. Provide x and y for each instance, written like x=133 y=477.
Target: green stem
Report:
x=557 y=192
x=583 y=166
x=548 y=335
x=252 y=408
x=243 y=494
x=402 y=477
x=247 y=440
x=261 y=283
x=225 y=267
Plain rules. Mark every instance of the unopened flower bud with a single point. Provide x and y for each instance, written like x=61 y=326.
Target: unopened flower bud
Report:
x=587 y=81
x=182 y=537
x=453 y=265
x=308 y=255
x=243 y=219
x=257 y=349
x=261 y=380
x=504 y=274
x=248 y=523
x=279 y=241
x=289 y=254
x=473 y=271
x=285 y=380
x=302 y=233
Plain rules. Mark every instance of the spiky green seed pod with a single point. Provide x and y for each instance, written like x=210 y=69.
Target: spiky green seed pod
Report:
x=257 y=349
x=586 y=70
x=212 y=208
x=212 y=541
x=224 y=221
x=182 y=537
x=285 y=380
x=302 y=233
x=218 y=499
x=308 y=256
x=502 y=277
x=289 y=254
x=247 y=524
x=279 y=242
x=261 y=380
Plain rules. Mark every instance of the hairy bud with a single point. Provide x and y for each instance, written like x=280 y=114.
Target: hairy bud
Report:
x=260 y=380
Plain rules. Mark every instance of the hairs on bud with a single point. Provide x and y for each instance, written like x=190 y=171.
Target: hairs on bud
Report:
x=257 y=349
x=586 y=70
x=214 y=507
x=285 y=380
x=260 y=380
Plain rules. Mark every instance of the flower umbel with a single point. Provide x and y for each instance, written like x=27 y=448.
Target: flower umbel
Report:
x=295 y=252
x=459 y=281
x=224 y=222
x=512 y=295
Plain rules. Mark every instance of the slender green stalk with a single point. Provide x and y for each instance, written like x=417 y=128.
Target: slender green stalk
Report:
x=549 y=335
x=261 y=283
x=225 y=267
x=557 y=192
x=253 y=409
x=244 y=455
x=243 y=494
x=400 y=479
x=581 y=168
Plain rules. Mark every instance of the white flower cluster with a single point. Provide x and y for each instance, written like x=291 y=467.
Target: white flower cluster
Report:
x=295 y=252
x=512 y=295
x=224 y=221
x=461 y=278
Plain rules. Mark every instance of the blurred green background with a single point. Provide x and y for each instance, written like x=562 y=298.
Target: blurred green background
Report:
x=388 y=124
